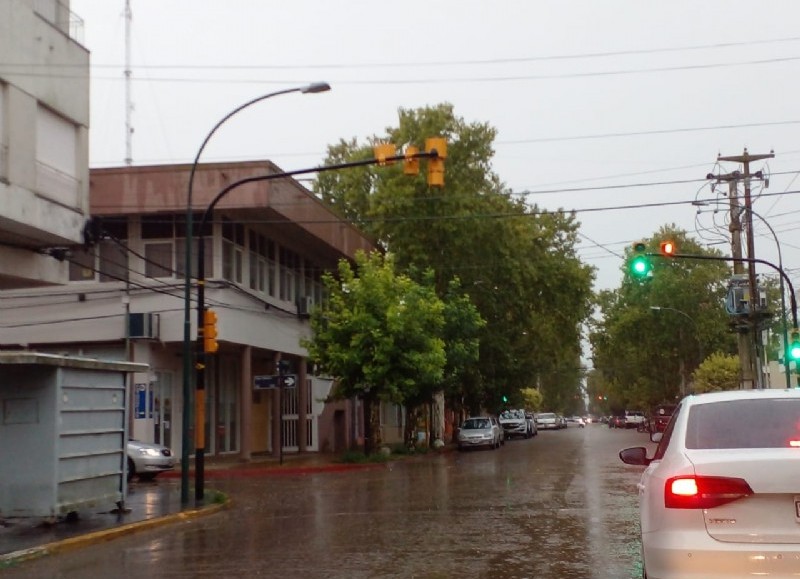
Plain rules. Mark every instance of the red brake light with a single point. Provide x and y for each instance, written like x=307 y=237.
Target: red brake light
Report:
x=703 y=492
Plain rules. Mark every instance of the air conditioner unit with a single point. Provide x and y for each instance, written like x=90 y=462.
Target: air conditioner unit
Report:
x=304 y=305
x=144 y=325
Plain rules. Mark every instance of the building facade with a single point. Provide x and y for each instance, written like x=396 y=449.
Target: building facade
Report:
x=267 y=245
x=44 y=121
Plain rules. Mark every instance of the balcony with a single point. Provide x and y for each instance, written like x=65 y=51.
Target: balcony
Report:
x=57 y=12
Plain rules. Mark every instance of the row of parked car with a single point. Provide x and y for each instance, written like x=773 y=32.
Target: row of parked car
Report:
x=492 y=432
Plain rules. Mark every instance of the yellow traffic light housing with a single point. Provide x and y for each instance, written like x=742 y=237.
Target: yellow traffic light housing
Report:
x=210 y=344
x=383 y=152
x=411 y=162
x=437 y=145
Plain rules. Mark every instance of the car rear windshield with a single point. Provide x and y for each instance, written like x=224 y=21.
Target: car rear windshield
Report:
x=476 y=424
x=752 y=423
x=547 y=415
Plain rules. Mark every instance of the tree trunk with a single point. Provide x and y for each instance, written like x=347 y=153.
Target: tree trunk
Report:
x=372 y=437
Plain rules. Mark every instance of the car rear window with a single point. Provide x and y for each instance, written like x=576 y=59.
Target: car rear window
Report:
x=752 y=423
x=547 y=415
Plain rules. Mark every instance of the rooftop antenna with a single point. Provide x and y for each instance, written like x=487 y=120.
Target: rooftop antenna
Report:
x=128 y=102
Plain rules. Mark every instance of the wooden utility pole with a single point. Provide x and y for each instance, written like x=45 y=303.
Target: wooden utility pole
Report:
x=749 y=342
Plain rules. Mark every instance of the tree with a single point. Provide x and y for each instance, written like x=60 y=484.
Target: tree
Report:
x=532 y=398
x=717 y=372
x=645 y=355
x=379 y=335
x=517 y=264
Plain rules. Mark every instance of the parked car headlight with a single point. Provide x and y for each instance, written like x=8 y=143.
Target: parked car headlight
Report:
x=149 y=452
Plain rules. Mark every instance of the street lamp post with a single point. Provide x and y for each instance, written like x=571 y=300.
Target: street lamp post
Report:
x=187 y=323
x=200 y=353
x=699 y=344
x=783 y=300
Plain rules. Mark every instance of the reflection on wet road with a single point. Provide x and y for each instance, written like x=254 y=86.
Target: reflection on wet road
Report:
x=560 y=505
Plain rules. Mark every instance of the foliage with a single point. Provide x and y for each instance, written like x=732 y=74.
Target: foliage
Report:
x=379 y=335
x=644 y=354
x=717 y=372
x=517 y=264
x=532 y=399
x=359 y=457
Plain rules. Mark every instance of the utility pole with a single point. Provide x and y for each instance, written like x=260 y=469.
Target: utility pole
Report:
x=749 y=342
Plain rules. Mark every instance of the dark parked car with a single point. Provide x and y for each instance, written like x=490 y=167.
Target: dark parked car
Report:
x=617 y=422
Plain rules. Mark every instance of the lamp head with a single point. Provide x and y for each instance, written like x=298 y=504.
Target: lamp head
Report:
x=316 y=87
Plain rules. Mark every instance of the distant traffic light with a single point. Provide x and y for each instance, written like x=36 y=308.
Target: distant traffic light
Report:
x=436 y=164
x=210 y=344
x=668 y=248
x=383 y=152
x=640 y=266
x=411 y=162
x=794 y=346
x=505 y=399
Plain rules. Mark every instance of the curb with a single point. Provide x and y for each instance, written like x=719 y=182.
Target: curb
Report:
x=110 y=534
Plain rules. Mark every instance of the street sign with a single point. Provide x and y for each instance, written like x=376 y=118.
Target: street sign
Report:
x=268 y=381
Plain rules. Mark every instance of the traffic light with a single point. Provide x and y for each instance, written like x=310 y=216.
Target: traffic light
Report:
x=668 y=248
x=411 y=163
x=794 y=346
x=505 y=399
x=210 y=344
x=640 y=265
x=436 y=164
x=383 y=152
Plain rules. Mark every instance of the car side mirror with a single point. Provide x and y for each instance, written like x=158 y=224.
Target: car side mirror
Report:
x=636 y=456
x=656 y=436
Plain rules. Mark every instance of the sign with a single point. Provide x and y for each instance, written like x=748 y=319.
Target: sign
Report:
x=268 y=381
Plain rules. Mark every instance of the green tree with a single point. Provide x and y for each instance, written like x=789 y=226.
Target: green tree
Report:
x=717 y=372
x=532 y=399
x=517 y=264
x=646 y=354
x=379 y=335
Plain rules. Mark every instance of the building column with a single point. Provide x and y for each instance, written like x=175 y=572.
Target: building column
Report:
x=246 y=391
x=302 y=402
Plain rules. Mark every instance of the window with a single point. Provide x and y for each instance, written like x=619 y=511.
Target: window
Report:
x=232 y=251
x=180 y=246
x=751 y=423
x=108 y=260
x=56 y=158
x=288 y=274
x=158 y=233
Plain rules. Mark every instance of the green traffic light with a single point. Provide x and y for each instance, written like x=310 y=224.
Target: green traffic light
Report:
x=794 y=351
x=640 y=266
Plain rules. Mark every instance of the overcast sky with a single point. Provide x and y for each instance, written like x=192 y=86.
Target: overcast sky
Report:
x=595 y=95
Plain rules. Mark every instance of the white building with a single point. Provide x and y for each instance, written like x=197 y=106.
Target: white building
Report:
x=44 y=120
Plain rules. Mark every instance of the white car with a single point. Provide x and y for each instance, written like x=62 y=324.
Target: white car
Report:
x=480 y=431
x=721 y=496
x=547 y=421
x=146 y=460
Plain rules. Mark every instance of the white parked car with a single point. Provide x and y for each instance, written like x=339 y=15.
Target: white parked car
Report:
x=146 y=460
x=721 y=496
x=480 y=431
x=547 y=421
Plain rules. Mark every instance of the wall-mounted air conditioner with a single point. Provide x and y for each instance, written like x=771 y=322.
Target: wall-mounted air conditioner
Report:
x=144 y=325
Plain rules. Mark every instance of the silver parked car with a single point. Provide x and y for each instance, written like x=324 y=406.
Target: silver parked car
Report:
x=146 y=460
x=480 y=431
x=547 y=421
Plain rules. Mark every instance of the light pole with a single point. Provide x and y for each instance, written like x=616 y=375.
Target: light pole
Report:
x=200 y=365
x=187 y=322
x=783 y=300
x=699 y=345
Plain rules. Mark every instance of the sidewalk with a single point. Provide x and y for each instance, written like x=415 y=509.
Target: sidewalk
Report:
x=148 y=505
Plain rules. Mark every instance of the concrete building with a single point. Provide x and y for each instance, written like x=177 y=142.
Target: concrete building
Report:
x=44 y=120
x=266 y=248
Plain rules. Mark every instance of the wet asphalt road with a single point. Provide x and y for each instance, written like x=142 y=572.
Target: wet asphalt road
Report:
x=560 y=505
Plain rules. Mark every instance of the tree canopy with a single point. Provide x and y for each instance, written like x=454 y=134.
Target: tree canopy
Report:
x=650 y=335
x=515 y=262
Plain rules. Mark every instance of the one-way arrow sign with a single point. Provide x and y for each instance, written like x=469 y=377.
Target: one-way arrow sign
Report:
x=268 y=381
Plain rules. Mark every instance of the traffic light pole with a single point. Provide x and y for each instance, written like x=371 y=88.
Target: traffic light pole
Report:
x=200 y=359
x=784 y=277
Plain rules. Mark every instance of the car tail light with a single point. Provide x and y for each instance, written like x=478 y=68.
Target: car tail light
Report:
x=704 y=492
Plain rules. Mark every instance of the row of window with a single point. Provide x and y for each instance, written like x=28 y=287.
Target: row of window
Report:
x=249 y=258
